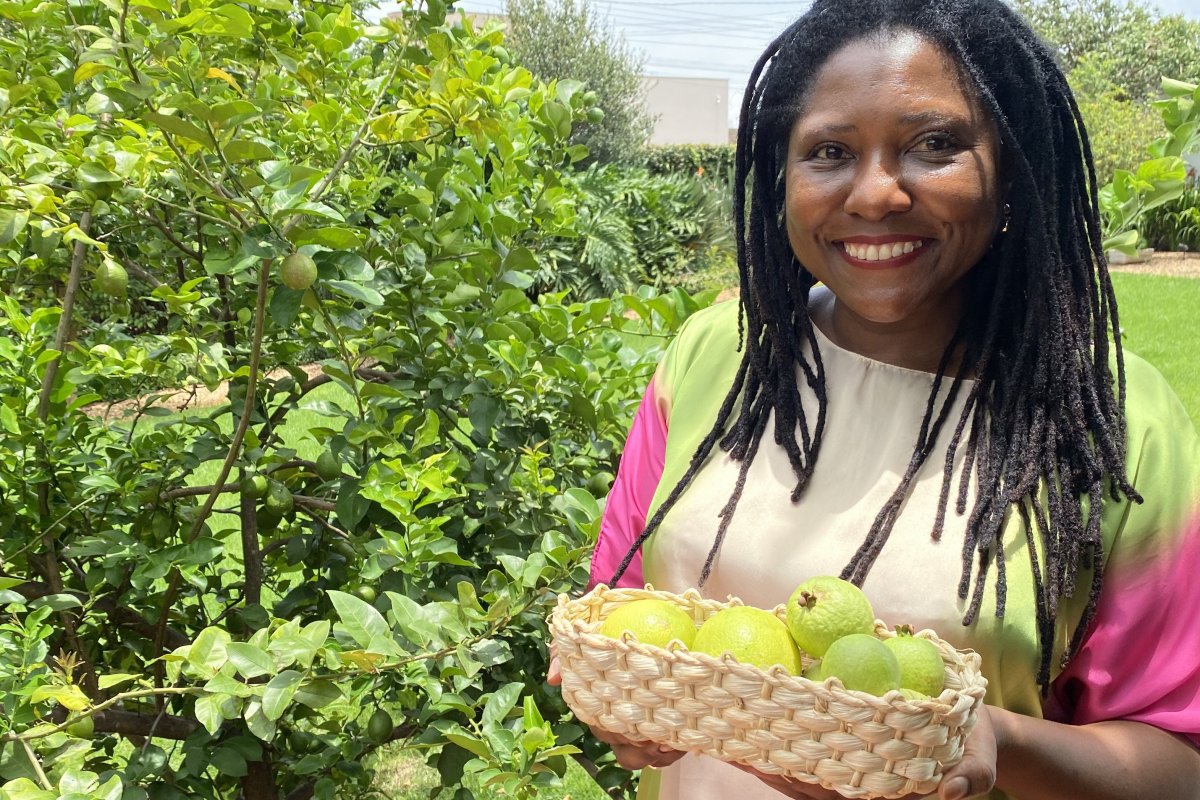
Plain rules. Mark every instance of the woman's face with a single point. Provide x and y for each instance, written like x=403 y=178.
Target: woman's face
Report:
x=892 y=186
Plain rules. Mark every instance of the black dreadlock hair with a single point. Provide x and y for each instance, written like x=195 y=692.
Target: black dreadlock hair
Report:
x=1045 y=427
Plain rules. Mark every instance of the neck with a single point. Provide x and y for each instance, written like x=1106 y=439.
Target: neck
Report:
x=916 y=344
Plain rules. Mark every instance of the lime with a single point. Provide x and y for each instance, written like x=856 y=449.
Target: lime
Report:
x=750 y=635
x=112 y=279
x=366 y=593
x=862 y=663
x=298 y=272
x=379 y=726
x=328 y=466
x=600 y=482
x=921 y=667
x=650 y=621
x=824 y=609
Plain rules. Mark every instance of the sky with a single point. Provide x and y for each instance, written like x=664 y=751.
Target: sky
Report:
x=714 y=38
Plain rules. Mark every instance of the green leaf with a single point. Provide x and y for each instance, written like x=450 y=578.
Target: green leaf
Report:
x=116 y=679
x=245 y=150
x=91 y=172
x=89 y=70
x=25 y=789
x=500 y=703
x=280 y=692
x=210 y=649
x=12 y=222
x=57 y=602
x=181 y=127
x=248 y=660
x=210 y=710
x=333 y=237
x=318 y=693
x=360 y=620
x=357 y=291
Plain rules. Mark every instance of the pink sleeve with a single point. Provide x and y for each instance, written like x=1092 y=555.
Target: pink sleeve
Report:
x=637 y=478
x=1141 y=658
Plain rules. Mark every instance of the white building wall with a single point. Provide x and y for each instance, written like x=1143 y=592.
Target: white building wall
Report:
x=688 y=110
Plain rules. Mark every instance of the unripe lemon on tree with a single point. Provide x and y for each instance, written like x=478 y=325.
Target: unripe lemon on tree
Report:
x=279 y=499
x=298 y=271
x=82 y=728
x=650 y=621
x=379 y=726
x=824 y=609
x=112 y=279
x=254 y=486
x=750 y=635
x=328 y=466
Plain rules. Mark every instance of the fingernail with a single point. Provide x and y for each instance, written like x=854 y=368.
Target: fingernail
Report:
x=956 y=789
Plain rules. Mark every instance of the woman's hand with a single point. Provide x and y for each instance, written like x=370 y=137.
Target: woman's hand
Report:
x=630 y=754
x=975 y=775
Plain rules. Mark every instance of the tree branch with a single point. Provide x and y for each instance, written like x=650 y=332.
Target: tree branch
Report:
x=122 y=615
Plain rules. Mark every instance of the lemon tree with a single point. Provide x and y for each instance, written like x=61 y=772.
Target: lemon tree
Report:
x=223 y=608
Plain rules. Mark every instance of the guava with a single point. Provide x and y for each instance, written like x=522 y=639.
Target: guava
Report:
x=112 y=279
x=824 y=609
x=921 y=667
x=298 y=272
x=750 y=635
x=650 y=621
x=862 y=662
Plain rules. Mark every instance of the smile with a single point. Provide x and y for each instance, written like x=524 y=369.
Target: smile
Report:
x=880 y=252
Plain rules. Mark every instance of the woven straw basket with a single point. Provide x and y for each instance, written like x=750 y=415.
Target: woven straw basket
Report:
x=856 y=744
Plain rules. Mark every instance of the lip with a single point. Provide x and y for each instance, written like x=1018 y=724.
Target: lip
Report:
x=889 y=263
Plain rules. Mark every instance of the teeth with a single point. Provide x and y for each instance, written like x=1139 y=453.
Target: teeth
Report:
x=880 y=252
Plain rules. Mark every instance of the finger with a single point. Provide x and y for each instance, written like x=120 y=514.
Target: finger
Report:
x=554 y=673
x=975 y=775
x=636 y=756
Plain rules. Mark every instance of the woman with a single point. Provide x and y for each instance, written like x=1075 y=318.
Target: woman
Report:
x=918 y=391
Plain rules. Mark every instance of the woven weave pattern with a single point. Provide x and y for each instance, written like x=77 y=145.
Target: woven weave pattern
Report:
x=856 y=744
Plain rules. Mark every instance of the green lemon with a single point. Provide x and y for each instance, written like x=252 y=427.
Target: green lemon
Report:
x=298 y=272
x=651 y=621
x=112 y=279
x=862 y=663
x=750 y=635
x=379 y=726
x=254 y=486
x=279 y=499
x=366 y=593
x=824 y=609
x=328 y=466
x=921 y=667
x=82 y=728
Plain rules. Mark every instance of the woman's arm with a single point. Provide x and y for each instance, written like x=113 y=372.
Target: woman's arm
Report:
x=1119 y=759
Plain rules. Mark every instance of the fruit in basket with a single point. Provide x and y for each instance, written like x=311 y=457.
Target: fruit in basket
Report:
x=863 y=663
x=650 y=621
x=921 y=667
x=750 y=635
x=824 y=609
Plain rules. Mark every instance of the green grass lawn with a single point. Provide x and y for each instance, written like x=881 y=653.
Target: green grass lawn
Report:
x=1159 y=322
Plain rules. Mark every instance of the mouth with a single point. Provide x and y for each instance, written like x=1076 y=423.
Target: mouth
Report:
x=888 y=253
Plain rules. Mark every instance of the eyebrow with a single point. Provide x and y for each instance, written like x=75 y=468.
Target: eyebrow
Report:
x=912 y=118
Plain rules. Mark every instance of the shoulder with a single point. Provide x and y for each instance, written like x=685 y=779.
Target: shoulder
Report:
x=709 y=333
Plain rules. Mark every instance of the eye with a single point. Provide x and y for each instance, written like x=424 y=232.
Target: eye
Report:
x=828 y=152
x=939 y=142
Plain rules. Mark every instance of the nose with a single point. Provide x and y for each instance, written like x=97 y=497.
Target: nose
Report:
x=877 y=190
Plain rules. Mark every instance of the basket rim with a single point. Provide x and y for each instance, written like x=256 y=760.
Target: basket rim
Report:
x=965 y=662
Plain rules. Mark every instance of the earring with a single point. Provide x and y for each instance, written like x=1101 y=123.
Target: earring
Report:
x=1007 y=217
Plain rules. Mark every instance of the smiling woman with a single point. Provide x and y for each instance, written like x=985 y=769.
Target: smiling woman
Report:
x=925 y=306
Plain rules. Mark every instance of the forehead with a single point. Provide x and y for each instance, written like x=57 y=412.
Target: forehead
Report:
x=898 y=72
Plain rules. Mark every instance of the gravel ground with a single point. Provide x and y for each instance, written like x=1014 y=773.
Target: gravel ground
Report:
x=1179 y=265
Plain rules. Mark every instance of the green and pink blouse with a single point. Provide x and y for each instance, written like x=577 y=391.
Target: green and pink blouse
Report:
x=1141 y=657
